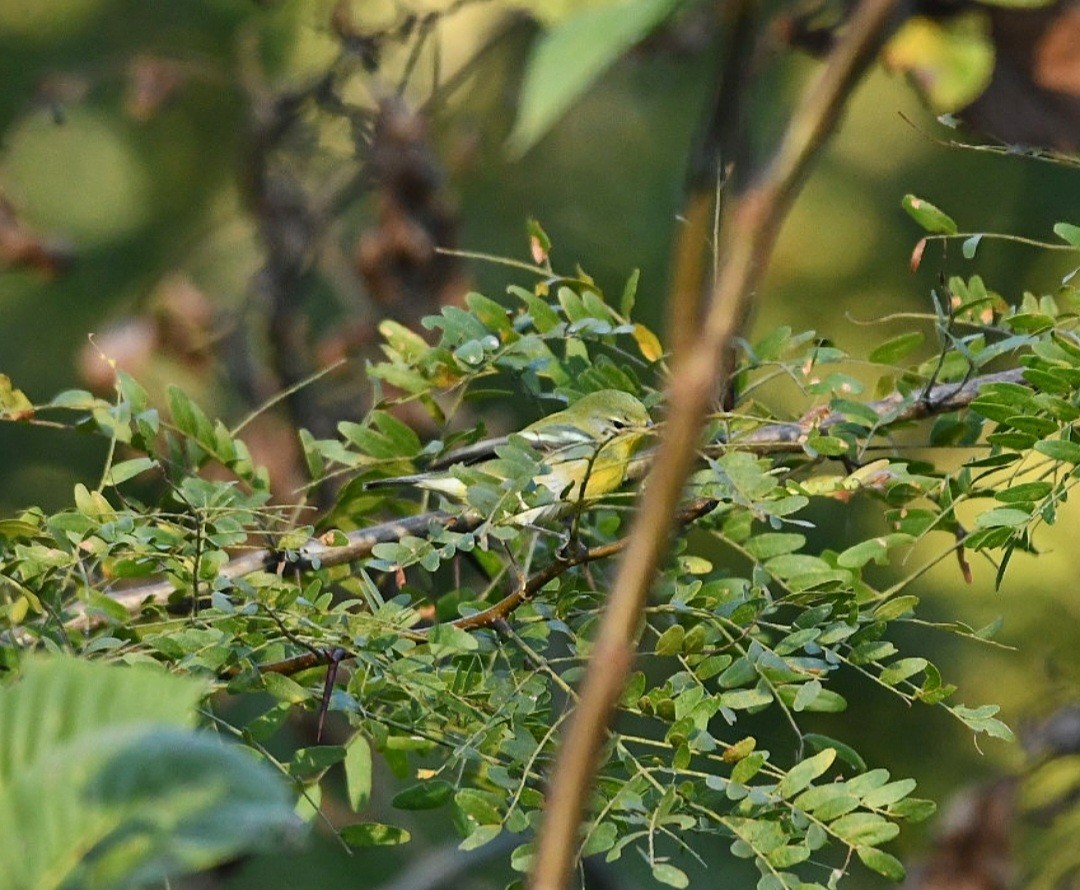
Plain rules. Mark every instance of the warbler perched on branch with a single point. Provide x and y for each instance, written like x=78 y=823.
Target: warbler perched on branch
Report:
x=586 y=448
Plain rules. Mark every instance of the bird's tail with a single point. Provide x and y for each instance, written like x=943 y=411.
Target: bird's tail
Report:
x=417 y=479
x=440 y=482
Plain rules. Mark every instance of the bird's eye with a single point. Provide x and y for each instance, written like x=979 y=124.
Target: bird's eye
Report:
x=618 y=423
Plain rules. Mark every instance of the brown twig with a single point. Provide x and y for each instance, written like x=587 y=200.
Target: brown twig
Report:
x=753 y=229
x=497 y=613
x=314 y=554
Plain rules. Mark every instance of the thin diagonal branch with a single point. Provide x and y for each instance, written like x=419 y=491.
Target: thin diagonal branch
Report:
x=754 y=226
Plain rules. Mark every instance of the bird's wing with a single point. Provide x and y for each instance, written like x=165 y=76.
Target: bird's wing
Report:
x=544 y=440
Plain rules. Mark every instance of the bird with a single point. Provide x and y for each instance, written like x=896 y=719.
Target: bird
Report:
x=586 y=448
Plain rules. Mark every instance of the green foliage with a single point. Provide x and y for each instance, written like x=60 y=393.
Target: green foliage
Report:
x=747 y=618
x=103 y=783
x=573 y=54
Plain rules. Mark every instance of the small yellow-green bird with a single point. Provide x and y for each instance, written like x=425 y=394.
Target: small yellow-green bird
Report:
x=588 y=445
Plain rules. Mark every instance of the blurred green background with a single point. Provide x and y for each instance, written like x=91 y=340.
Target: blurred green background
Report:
x=144 y=193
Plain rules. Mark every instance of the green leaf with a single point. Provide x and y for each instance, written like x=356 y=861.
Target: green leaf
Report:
x=865 y=828
x=830 y=446
x=745 y=698
x=310 y=763
x=747 y=768
x=190 y=802
x=803 y=773
x=13 y=529
x=891 y=351
x=374 y=834
x=888 y=794
x=913 y=809
x=671 y=640
x=875 y=549
x=1068 y=233
x=983 y=720
x=480 y=835
x=970 y=246
x=895 y=607
x=424 y=795
x=881 y=862
x=769 y=544
x=1002 y=517
x=571 y=56
x=1024 y=492
x=845 y=752
x=480 y=807
x=102 y=783
x=788 y=855
x=629 y=294
x=670 y=875
x=806 y=695
x=949 y=60
x=128 y=469
x=928 y=216
x=901 y=669
x=285 y=688
x=446 y=639
x=358 y=771
x=1060 y=449
x=825 y=701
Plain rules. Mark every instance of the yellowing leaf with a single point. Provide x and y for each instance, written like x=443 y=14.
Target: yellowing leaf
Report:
x=648 y=343
x=949 y=61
